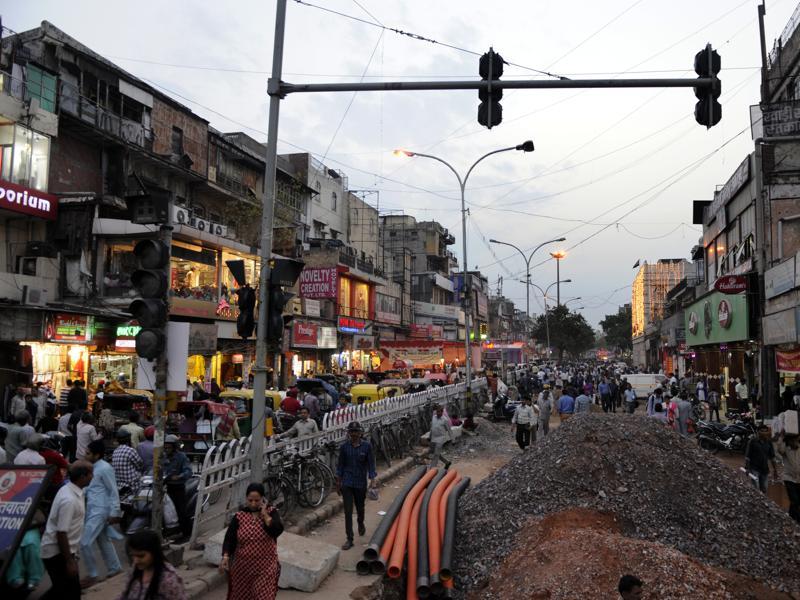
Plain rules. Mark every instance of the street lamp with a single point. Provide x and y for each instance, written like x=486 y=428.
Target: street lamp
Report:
x=527 y=260
x=546 y=310
x=571 y=300
x=558 y=255
x=526 y=146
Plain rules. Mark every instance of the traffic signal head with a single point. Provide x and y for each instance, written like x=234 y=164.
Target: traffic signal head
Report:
x=245 y=322
x=490 y=111
x=150 y=310
x=278 y=299
x=708 y=110
x=150 y=343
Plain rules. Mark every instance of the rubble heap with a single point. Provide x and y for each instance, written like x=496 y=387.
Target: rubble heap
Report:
x=657 y=486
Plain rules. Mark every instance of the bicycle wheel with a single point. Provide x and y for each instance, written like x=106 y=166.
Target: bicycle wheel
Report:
x=394 y=442
x=312 y=485
x=281 y=493
x=327 y=472
x=379 y=445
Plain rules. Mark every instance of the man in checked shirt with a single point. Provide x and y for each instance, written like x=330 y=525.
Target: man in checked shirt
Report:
x=128 y=466
x=356 y=463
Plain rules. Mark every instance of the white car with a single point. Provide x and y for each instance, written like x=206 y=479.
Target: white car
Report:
x=644 y=384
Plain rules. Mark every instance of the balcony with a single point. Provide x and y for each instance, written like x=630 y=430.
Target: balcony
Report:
x=365 y=266
x=347 y=259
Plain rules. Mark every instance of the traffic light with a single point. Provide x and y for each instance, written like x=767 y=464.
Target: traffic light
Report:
x=707 y=64
x=151 y=282
x=245 y=322
x=278 y=299
x=490 y=111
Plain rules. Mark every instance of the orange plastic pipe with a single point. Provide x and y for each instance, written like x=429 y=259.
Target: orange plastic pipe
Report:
x=413 y=548
x=395 y=564
x=443 y=506
x=387 y=543
x=434 y=541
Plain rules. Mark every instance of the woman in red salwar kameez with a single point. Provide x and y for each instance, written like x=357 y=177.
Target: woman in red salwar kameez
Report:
x=250 y=549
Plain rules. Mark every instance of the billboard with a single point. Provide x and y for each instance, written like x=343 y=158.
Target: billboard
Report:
x=317 y=283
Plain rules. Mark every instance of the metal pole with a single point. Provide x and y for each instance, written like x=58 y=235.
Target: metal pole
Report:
x=159 y=399
x=467 y=289
x=268 y=210
x=547 y=325
x=558 y=282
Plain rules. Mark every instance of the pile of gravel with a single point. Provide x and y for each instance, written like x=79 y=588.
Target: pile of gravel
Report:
x=661 y=487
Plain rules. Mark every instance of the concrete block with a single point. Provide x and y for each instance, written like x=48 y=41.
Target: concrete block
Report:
x=195 y=588
x=305 y=563
x=213 y=550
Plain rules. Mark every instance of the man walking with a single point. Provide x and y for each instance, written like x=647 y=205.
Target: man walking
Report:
x=304 y=426
x=440 y=434
x=102 y=511
x=713 y=405
x=684 y=410
x=525 y=420
x=605 y=395
x=742 y=395
x=177 y=471
x=566 y=405
x=583 y=404
x=128 y=466
x=62 y=535
x=356 y=464
x=757 y=457
x=789 y=449
x=630 y=400
x=545 y=405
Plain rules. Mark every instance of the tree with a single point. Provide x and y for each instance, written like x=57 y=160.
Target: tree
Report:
x=617 y=329
x=569 y=331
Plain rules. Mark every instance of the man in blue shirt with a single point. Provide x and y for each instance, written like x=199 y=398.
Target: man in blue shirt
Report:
x=566 y=404
x=604 y=389
x=177 y=471
x=356 y=463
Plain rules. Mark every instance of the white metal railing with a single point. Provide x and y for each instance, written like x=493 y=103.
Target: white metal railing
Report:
x=225 y=473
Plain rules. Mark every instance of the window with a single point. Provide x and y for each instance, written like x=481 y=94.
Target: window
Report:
x=24 y=156
x=177 y=140
x=251 y=275
x=120 y=263
x=42 y=86
x=361 y=300
x=133 y=110
x=194 y=272
x=333 y=201
x=318 y=187
x=344 y=297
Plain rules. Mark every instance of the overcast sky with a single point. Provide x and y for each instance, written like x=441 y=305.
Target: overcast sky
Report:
x=615 y=171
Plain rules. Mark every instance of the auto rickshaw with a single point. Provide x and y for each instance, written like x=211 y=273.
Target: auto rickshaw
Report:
x=367 y=393
x=243 y=404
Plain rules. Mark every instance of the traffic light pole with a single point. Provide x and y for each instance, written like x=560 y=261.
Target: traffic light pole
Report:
x=267 y=217
x=159 y=399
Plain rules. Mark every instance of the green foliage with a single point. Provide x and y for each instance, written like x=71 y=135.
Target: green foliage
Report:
x=569 y=331
x=617 y=329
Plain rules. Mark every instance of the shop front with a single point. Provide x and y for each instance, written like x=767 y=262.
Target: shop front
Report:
x=312 y=347
x=117 y=362
x=718 y=341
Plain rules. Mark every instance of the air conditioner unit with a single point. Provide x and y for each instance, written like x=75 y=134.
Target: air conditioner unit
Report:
x=38 y=266
x=32 y=296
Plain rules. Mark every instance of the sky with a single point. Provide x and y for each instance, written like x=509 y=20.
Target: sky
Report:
x=614 y=171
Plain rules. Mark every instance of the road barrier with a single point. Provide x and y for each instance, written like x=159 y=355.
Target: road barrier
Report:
x=225 y=473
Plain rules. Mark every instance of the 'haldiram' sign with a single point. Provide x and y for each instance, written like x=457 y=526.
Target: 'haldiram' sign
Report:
x=27 y=201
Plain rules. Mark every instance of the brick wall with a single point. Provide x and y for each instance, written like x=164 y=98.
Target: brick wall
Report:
x=195 y=134
x=75 y=166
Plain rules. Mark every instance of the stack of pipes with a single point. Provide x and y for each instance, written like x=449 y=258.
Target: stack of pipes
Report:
x=418 y=529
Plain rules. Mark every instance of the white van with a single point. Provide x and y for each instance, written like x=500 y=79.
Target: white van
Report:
x=644 y=384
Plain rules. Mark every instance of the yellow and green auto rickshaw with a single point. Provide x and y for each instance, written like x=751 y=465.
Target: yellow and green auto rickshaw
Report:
x=243 y=404
x=367 y=393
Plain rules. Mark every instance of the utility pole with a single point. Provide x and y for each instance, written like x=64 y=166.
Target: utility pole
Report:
x=267 y=217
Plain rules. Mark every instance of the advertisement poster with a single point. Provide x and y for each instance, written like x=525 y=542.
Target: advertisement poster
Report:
x=62 y=327
x=788 y=361
x=318 y=283
x=20 y=491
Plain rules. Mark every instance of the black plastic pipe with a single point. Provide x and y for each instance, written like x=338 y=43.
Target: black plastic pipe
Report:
x=446 y=564
x=423 y=591
x=373 y=550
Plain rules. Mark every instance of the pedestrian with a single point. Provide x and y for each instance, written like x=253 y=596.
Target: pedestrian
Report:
x=77 y=396
x=545 y=405
x=713 y=405
x=152 y=578
x=788 y=447
x=17 y=403
x=51 y=455
x=524 y=421
x=26 y=569
x=215 y=389
x=758 y=456
x=177 y=472
x=742 y=395
x=583 y=404
x=356 y=464
x=136 y=430
x=290 y=404
x=615 y=394
x=63 y=395
x=32 y=408
x=145 y=449
x=657 y=397
x=85 y=433
x=441 y=433
x=630 y=587
x=48 y=421
x=684 y=409
x=250 y=549
x=62 y=535
x=671 y=408
x=102 y=511
x=311 y=403
x=659 y=414
x=566 y=405
x=128 y=466
x=18 y=433
x=630 y=400
x=29 y=455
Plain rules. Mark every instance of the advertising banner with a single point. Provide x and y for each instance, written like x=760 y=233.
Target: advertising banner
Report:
x=317 y=283
x=62 y=327
x=304 y=335
x=788 y=361
x=28 y=201
x=716 y=319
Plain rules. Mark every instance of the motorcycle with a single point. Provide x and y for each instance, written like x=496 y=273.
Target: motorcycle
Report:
x=136 y=510
x=732 y=437
x=503 y=409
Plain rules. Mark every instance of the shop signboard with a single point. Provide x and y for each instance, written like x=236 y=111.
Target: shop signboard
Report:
x=63 y=327
x=717 y=318
x=416 y=356
x=317 y=283
x=327 y=338
x=443 y=311
x=21 y=488
x=304 y=334
x=780 y=327
x=352 y=325
x=126 y=338
x=426 y=331
x=780 y=119
x=731 y=284
x=311 y=308
x=364 y=342
x=182 y=216
x=788 y=361
x=203 y=339
x=779 y=279
x=28 y=201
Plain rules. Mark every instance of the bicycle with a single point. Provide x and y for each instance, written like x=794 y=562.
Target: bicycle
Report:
x=308 y=478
